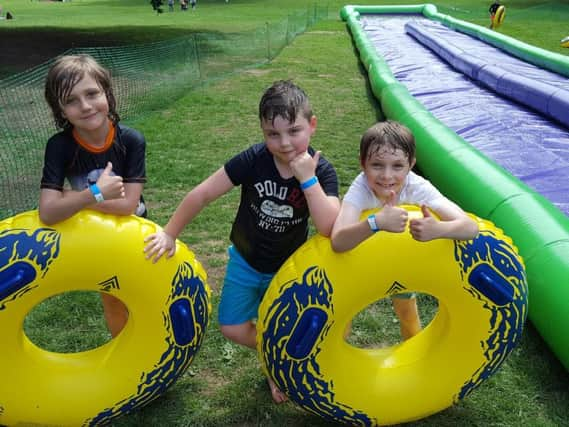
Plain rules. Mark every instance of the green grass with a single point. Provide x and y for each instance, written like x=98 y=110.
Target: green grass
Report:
x=68 y=323
x=191 y=137
x=112 y=22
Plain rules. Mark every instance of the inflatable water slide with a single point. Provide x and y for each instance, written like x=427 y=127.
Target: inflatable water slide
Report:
x=491 y=118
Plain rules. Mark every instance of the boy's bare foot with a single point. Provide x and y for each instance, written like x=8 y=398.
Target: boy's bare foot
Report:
x=278 y=396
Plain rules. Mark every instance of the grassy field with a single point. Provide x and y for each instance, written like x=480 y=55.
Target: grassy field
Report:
x=42 y=29
x=191 y=137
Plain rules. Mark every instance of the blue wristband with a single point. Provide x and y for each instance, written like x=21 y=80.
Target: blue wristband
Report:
x=308 y=183
x=372 y=223
x=96 y=193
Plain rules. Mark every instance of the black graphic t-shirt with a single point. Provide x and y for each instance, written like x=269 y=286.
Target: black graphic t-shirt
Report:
x=272 y=219
x=67 y=159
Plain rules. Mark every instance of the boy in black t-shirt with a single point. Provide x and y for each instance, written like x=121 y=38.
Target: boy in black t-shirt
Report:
x=102 y=160
x=283 y=182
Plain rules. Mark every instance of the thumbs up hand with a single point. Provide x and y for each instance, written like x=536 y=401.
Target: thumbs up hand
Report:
x=424 y=229
x=391 y=218
x=111 y=186
x=391 y=199
x=303 y=166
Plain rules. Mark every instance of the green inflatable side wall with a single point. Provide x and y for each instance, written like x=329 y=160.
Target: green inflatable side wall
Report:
x=538 y=228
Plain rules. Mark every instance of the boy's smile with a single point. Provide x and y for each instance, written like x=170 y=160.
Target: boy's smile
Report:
x=87 y=108
x=286 y=140
x=386 y=170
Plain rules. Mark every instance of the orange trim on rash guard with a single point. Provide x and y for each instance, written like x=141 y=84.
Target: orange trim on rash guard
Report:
x=108 y=140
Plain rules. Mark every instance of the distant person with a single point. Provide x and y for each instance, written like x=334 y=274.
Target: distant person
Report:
x=284 y=182
x=171 y=5
x=493 y=9
x=193 y=4
x=102 y=160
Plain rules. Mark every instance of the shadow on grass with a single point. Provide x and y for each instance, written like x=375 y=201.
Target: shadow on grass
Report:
x=24 y=48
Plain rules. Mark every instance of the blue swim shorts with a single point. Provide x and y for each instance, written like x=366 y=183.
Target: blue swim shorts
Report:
x=243 y=289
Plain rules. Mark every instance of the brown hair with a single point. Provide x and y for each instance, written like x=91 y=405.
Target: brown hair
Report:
x=284 y=99
x=389 y=133
x=62 y=77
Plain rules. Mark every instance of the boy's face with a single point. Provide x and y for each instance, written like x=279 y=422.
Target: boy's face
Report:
x=386 y=170
x=86 y=107
x=287 y=140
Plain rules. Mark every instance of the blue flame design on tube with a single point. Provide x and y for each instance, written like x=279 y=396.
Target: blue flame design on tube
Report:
x=186 y=285
x=298 y=374
x=28 y=252
x=497 y=278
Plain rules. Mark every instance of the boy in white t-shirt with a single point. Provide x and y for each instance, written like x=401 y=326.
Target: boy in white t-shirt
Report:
x=387 y=155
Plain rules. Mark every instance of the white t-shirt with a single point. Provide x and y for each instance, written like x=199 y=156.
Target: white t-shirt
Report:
x=416 y=191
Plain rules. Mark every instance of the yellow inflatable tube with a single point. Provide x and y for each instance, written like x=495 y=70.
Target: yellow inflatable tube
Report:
x=482 y=295
x=499 y=16
x=168 y=305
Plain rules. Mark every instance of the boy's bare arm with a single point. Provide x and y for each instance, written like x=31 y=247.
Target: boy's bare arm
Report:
x=206 y=192
x=56 y=206
x=348 y=230
x=454 y=224
x=209 y=190
x=123 y=206
x=323 y=208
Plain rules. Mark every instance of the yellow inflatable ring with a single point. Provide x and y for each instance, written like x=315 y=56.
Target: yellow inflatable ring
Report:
x=482 y=296
x=168 y=305
x=499 y=16
x=565 y=42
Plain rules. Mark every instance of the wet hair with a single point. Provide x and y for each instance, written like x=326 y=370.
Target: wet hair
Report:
x=284 y=99
x=62 y=77
x=388 y=134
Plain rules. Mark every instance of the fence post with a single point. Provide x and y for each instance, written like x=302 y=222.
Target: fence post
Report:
x=268 y=41
x=315 y=16
x=198 y=61
x=187 y=51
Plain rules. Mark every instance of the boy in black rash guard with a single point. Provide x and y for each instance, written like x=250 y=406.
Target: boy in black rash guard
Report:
x=283 y=182
x=102 y=160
